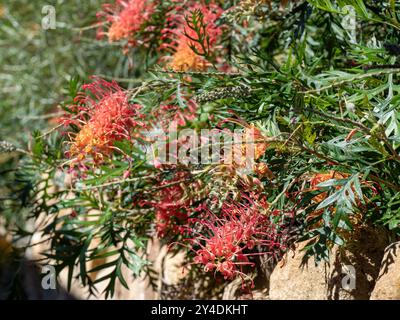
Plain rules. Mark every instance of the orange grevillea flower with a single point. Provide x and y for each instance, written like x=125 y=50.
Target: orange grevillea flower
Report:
x=262 y=170
x=103 y=115
x=322 y=177
x=185 y=59
x=126 y=18
x=251 y=147
x=254 y=135
x=177 y=34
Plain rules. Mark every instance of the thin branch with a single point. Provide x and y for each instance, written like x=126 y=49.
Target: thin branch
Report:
x=197 y=73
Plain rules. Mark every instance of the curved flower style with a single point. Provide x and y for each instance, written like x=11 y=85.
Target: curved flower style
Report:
x=227 y=240
x=174 y=116
x=103 y=115
x=180 y=34
x=126 y=17
x=171 y=206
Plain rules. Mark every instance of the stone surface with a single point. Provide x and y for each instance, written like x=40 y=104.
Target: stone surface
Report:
x=293 y=280
x=363 y=254
x=350 y=274
x=387 y=286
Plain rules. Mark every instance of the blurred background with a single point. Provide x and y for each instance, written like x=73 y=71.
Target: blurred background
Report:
x=36 y=66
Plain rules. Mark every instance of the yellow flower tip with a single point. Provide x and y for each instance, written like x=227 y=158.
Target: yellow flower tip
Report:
x=116 y=32
x=87 y=142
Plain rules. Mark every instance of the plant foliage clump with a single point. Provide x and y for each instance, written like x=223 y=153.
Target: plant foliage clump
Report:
x=310 y=86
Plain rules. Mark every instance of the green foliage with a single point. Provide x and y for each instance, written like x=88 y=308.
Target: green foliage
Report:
x=327 y=103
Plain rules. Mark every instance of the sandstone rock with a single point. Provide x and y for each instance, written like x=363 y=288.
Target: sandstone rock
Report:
x=293 y=280
x=363 y=254
x=333 y=281
x=387 y=286
x=233 y=291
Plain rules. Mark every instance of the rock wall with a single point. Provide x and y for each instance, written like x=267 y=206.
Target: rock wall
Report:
x=387 y=286
x=373 y=260
x=350 y=274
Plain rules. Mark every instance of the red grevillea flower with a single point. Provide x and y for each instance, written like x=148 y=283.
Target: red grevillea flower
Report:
x=176 y=35
x=103 y=115
x=171 y=206
x=126 y=18
x=227 y=240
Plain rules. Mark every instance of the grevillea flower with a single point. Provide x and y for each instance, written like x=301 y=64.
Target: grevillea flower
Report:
x=254 y=134
x=251 y=147
x=126 y=18
x=177 y=34
x=228 y=240
x=103 y=115
x=185 y=59
x=262 y=170
x=171 y=206
x=322 y=177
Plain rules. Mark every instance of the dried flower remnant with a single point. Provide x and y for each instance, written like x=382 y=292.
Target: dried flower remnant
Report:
x=251 y=147
x=103 y=115
x=237 y=92
x=7 y=147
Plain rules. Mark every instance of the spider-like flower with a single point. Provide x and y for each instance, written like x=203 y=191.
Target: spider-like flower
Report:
x=171 y=206
x=103 y=114
x=126 y=18
x=179 y=35
x=227 y=240
x=174 y=116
